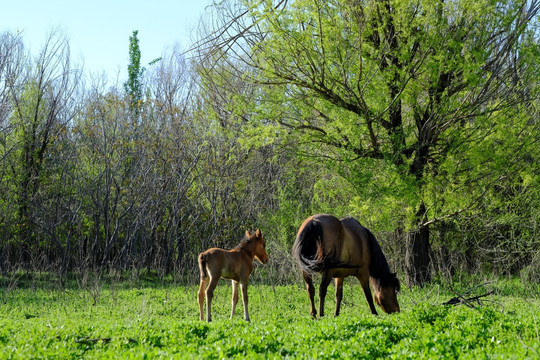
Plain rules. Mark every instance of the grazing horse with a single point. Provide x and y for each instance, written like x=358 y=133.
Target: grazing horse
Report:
x=340 y=248
x=236 y=265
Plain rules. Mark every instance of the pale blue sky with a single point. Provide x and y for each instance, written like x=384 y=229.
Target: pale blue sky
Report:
x=99 y=30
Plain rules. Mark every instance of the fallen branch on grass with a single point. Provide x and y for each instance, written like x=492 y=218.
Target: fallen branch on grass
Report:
x=105 y=340
x=461 y=299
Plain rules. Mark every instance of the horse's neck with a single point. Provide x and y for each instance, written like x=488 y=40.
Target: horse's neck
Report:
x=248 y=250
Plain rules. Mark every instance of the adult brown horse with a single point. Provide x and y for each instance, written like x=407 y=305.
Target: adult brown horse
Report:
x=236 y=265
x=340 y=248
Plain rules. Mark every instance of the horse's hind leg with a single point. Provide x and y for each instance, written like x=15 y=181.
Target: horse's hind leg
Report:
x=244 y=287
x=339 y=295
x=210 y=295
x=201 y=297
x=326 y=279
x=234 y=296
x=311 y=292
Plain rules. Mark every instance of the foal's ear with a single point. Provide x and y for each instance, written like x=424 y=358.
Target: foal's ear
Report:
x=247 y=233
x=258 y=233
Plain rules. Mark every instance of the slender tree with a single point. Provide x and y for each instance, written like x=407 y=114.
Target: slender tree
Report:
x=134 y=84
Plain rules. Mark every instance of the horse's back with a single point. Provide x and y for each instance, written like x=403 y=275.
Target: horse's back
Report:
x=228 y=264
x=355 y=230
x=356 y=241
x=346 y=235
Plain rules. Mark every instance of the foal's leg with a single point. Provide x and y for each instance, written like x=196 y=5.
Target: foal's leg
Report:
x=311 y=293
x=201 y=297
x=367 y=292
x=210 y=295
x=326 y=279
x=244 y=287
x=339 y=294
x=234 y=296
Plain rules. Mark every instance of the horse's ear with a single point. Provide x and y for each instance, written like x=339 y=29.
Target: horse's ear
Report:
x=247 y=233
x=258 y=233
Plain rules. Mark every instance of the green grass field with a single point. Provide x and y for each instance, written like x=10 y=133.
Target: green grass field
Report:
x=148 y=321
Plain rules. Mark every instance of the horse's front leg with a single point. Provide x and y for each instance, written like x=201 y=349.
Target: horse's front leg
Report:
x=326 y=279
x=367 y=292
x=311 y=293
x=244 y=288
x=339 y=294
x=234 y=296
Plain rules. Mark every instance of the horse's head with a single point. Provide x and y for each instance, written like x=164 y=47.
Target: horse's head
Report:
x=259 y=246
x=385 y=294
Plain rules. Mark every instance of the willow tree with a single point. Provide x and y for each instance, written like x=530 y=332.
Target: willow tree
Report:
x=399 y=93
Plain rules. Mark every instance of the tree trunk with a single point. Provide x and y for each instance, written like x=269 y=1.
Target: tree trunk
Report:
x=3 y=267
x=417 y=254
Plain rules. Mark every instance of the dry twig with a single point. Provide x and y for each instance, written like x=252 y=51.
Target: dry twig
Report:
x=104 y=340
x=461 y=299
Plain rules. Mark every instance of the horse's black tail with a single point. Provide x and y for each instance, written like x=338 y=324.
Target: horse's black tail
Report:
x=307 y=249
x=202 y=266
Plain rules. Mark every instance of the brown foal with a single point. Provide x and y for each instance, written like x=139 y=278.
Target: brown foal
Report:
x=236 y=265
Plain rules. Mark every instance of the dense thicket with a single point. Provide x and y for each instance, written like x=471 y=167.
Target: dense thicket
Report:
x=396 y=114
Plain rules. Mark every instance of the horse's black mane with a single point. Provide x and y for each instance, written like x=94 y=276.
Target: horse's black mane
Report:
x=379 y=270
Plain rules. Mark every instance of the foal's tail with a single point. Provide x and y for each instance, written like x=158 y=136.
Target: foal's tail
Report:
x=202 y=266
x=308 y=250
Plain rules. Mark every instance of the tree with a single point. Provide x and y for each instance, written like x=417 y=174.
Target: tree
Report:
x=394 y=92
x=11 y=67
x=134 y=84
x=44 y=101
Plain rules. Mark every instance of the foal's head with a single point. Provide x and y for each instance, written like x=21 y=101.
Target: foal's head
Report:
x=385 y=293
x=258 y=245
